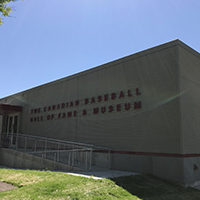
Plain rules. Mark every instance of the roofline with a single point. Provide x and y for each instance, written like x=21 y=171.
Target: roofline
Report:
x=114 y=62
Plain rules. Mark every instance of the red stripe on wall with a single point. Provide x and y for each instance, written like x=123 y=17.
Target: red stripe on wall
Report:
x=151 y=154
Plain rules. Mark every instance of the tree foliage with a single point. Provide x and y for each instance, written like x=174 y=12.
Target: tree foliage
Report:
x=5 y=10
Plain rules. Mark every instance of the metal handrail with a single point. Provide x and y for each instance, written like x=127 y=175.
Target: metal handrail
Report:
x=59 y=141
x=60 y=151
x=67 y=152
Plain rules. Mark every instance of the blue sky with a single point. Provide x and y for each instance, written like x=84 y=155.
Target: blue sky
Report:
x=47 y=40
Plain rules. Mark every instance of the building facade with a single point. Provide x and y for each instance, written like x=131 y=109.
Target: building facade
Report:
x=145 y=107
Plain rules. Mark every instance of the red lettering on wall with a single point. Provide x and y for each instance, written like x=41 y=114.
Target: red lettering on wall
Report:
x=63 y=115
x=63 y=105
x=121 y=95
x=110 y=108
x=93 y=100
x=59 y=115
x=69 y=114
x=103 y=109
x=137 y=105
x=127 y=106
x=71 y=104
x=84 y=112
x=99 y=98
x=106 y=97
x=129 y=93
x=113 y=96
x=118 y=107
x=86 y=101
x=76 y=102
x=95 y=111
x=137 y=91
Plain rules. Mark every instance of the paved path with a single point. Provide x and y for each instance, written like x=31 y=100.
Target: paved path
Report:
x=6 y=186
x=103 y=174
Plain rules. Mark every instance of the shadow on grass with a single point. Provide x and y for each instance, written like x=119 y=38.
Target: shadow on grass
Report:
x=148 y=187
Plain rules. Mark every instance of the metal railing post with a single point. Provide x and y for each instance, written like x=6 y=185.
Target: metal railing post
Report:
x=54 y=157
x=69 y=160
x=109 y=160
x=90 y=160
x=73 y=157
x=16 y=141
x=58 y=153
x=11 y=139
x=45 y=148
x=86 y=160
x=35 y=145
x=25 y=147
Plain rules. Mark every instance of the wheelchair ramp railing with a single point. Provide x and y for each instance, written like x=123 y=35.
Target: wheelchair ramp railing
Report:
x=73 y=154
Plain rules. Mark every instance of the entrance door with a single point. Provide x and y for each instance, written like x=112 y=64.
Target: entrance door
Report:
x=1 y=123
x=12 y=126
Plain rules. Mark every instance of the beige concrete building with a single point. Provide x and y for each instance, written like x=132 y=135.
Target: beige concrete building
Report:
x=145 y=107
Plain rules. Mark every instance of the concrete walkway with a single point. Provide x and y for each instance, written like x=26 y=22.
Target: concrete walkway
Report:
x=103 y=174
x=6 y=186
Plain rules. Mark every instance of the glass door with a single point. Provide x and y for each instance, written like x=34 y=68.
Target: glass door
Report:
x=12 y=127
x=1 y=126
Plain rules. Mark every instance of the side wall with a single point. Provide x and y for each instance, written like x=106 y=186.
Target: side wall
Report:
x=170 y=168
x=132 y=104
x=190 y=100
x=190 y=113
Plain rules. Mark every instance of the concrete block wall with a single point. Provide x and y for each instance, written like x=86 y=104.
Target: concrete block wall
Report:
x=16 y=159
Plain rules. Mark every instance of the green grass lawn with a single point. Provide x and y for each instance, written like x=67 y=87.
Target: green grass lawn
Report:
x=57 y=185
